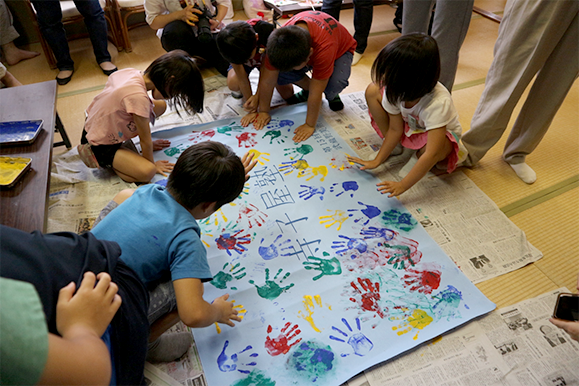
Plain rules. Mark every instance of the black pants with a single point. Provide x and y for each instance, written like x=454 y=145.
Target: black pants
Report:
x=179 y=35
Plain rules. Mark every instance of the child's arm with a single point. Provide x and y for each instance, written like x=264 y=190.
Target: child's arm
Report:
x=147 y=145
x=305 y=131
x=194 y=311
x=242 y=80
x=437 y=149
x=267 y=82
x=391 y=139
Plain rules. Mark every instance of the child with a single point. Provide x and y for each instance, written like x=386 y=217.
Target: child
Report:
x=243 y=43
x=411 y=108
x=158 y=233
x=309 y=41
x=123 y=111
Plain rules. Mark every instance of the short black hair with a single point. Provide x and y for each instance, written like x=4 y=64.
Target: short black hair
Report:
x=236 y=42
x=409 y=67
x=288 y=47
x=177 y=77
x=206 y=172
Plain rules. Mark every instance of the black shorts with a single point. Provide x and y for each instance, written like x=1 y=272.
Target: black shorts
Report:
x=105 y=154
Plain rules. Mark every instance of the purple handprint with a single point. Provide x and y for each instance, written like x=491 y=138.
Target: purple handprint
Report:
x=310 y=191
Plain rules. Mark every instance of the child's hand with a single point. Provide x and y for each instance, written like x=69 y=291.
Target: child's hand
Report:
x=392 y=187
x=251 y=104
x=248 y=163
x=261 y=120
x=249 y=118
x=164 y=167
x=365 y=164
x=160 y=144
x=303 y=132
x=189 y=15
x=91 y=309
x=228 y=313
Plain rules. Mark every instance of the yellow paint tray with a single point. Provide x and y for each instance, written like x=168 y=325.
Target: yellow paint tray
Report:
x=12 y=169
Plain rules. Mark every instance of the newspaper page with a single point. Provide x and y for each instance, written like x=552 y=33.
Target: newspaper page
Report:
x=516 y=345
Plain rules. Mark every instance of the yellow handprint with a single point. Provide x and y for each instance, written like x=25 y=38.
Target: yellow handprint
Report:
x=259 y=156
x=322 y=170
x=419 y=319
x=338 y=217
x=309 y=306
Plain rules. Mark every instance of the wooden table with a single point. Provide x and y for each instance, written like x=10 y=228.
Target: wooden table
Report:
x=25 y=205
x=292 y=9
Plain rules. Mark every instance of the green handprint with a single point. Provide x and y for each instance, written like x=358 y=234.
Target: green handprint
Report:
x=299 y=151
x=222 y=278
x=274 y=134
x=231 y=127
x=271 y=290
x=325 y=266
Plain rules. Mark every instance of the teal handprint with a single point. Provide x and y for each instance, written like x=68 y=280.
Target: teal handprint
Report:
x=222 y=278
x=274 y=134
x=325 y=266
x=229 y=128
x=299 y=151
x=271 y=290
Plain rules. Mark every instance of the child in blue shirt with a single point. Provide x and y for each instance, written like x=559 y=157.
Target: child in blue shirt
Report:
x=157 y=231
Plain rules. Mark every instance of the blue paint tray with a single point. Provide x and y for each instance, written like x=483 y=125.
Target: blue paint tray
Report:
x=19 y=132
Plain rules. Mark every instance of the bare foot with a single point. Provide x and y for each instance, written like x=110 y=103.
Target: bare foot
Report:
x=107 y=66
x=13 y=54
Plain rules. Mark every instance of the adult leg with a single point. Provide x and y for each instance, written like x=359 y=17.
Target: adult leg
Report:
x=545 y=97
x=416 y=16
x=524 y=21
x=363 y=13
x=211 y=53
x=96 y=24
x=449 y=28
x=332 y=8
x=49 y=17
x=8 y=34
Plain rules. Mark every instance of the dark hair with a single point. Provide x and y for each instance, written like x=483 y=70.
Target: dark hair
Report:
x=236 y=42
x=177 y=77
x=288 y=47
x=409 y=67
x=206 y=172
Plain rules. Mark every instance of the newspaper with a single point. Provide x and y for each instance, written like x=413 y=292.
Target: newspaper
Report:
x=516 y=345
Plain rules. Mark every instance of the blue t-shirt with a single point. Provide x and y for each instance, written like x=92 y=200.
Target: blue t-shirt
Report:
x=157 y=235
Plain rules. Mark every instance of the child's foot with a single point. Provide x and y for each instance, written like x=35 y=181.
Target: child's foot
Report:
x=299 y=97
x=169 y=347
x=13 y=54
x=236 y=94
x=397 y=150
x=336 y=104
x=525 y=172
x=356 y=58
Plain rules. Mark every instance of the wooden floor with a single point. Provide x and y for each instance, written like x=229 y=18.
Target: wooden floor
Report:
x=547 y=211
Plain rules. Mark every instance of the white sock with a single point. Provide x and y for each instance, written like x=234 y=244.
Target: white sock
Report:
x=525 y=172
x=408 y=167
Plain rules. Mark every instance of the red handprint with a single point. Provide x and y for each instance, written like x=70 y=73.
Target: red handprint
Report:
x=246 y=139
x=370 y=296
x=253 y=214
x=423 y=280
x=200 y=136
x=281 y=344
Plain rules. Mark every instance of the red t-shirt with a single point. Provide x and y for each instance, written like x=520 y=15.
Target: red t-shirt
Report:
x=330 y=40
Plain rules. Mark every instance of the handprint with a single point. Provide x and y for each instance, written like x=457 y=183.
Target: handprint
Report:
x=309 y=309
x=246 y=139
x=200 y=136
x=310 y=191
x=174 y=151
x=367 y=295
x=253 y=215
x=448 y=302
x=244 y=191
x=346 y=186
x=338 y=217
x=299 y=151
x=240 y=313
x=218 y=216
x=402 y=253
x=260 y=157
x=229 y=242
x=419 y=319
x=341 y=162
x=424 y=280
x=359 y=342
x=274 y=134
x=312 y=172
x=290 y=166
x=271 y=290
x=271 y=251
x=281 y=344
x=396 y=219
x=369 y=212
x=378 y=233
x=326 y=267
x=350 y=245
x=227 y=130
x=227 y=363
x=286 y=123
x=222 y=278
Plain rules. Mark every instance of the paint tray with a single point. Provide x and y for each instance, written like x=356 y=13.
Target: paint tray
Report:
x=12 y=169
x=19 y=132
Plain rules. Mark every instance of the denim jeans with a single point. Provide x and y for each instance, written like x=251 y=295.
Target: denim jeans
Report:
x=49 y=16
x=363 y=12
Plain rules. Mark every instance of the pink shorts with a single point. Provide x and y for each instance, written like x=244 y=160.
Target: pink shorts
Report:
x=418 y=141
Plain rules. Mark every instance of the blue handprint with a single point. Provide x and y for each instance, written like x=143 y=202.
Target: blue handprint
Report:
x=344 y=187
x=230 y=363
x=311 y=191
x=399 y=220
x=352 y=244
x=286 y=123
x=448 y=302
x=369 y=211
x=358 y=341
x=271 y=251
x=375 y=233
